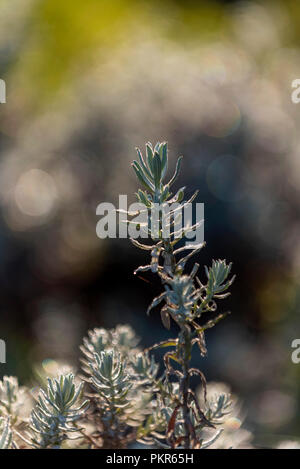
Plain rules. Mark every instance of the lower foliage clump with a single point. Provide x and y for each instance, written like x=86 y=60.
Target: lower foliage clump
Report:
x=117 y=400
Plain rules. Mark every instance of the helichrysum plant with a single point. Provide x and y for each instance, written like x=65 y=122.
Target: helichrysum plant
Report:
x=121 y=396
x=57 y=410
x=184 y=299
x=120 y=379
x=6 y=434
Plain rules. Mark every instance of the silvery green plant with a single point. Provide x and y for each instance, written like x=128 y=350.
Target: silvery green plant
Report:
x=185 y=299
x=125 y=400
x=9 y=388
x=12 y=399
x=57 y=410
x=15 y=405
x=5 y=434
x=120 y=380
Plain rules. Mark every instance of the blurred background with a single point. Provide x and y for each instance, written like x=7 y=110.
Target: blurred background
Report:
x=89 y=81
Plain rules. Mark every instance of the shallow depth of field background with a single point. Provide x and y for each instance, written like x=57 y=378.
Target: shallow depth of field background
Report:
x=89 y=81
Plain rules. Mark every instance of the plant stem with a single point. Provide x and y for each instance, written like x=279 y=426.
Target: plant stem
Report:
x=169 y=267
x=184 y=385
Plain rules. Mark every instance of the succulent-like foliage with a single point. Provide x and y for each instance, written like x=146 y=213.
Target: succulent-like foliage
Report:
x=122 y=338
x=15 y=406
x=168 y=226
x=9 y=388
x=12 y=398
x=217 y=274
x=110 y=380
x=57 y=409
x=223 y=410
x=120 y=379
x=5 y=434
x=184 y=298
x=143 y=368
